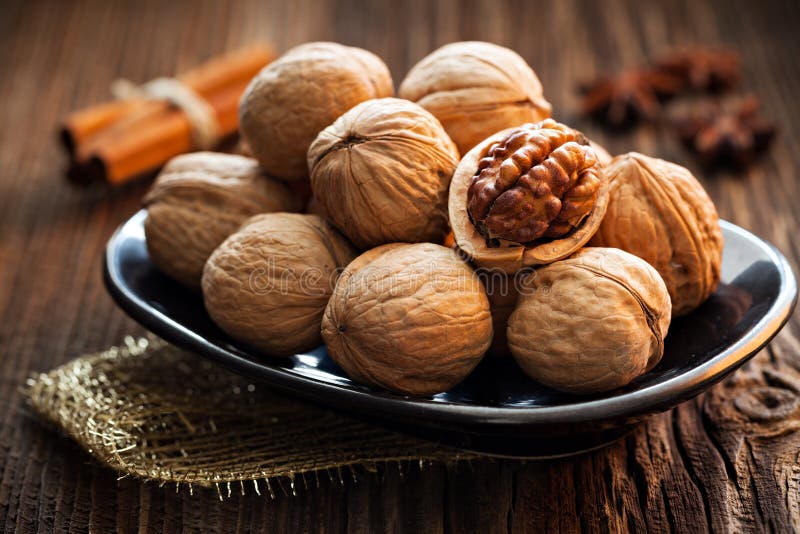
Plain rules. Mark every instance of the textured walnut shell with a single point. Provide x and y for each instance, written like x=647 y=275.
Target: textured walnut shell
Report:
x=503 y=294
x=197 y=201
x=590 y=323
x=292 y=99
x=476 y=89
x=501 y=289
x=267 y=284
x=381 y=173
x=413 y=319
x=510 y=256
x=658 y=211
x=603 y=156
x=315 y=208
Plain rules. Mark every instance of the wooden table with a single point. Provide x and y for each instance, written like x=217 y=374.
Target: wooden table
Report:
x=705 y=465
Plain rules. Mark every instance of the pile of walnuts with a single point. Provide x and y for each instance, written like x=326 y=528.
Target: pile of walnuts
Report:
x=455 y=221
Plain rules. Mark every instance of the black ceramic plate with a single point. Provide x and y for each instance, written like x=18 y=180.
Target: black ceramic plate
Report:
x=497 y=410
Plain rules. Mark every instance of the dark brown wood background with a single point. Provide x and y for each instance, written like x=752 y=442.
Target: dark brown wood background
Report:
x=706 y=465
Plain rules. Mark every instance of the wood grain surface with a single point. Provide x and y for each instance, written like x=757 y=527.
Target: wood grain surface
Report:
x=728 y=461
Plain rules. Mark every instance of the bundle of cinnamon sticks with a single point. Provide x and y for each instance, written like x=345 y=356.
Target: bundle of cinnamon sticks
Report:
x=119 y=140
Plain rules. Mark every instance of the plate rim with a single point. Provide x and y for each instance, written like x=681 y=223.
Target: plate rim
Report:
x=657 y=397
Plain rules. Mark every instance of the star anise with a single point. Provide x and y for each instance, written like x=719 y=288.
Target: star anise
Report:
x=629 y=97
x=734 y=136
x=702 y=70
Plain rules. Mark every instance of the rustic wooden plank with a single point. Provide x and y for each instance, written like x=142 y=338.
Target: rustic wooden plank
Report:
x=479 y=497
x=726 y=461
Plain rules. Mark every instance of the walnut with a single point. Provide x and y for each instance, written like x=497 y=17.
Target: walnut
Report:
x=381 y=173
x=527 y=196
x=476 y=89
x=200 y=199
x=658 y=211
x=603 y=156
x=292 y=99
x=501 y=289
x=267 y=284
x=315 y=208
x=537 y=182
x=503 y=293
x=590 y=323
x=413 y=319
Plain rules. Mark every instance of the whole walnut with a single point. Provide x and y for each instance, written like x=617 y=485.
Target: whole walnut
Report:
x=413 y=319
x=292 y=99
x=527 y=196
x=381 y=173
x=658 y=211
x=590 y=323
x=267 y=284
x=197 y=201
x=476 y=89
x=502 y=291
x=315 y=208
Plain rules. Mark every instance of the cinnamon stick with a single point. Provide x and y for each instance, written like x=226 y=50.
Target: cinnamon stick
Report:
x=118 y=140
x=82 y=124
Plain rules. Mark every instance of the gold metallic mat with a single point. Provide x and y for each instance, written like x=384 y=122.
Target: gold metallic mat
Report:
x=151 y=410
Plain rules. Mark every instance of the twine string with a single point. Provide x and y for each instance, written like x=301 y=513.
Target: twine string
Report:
x=201 y=116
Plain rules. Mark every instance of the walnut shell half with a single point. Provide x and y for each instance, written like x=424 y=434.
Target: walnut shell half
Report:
x=413 y=319
x=658 y=211
x=381 y=173
x=197 y=201
x=527 y=196
x=476 y=89
x=293 y=98
x=603 y=156
x=590 y=323
x=267 y=285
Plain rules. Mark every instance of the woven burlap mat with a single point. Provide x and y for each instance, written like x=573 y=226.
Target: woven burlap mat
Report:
x=150 y=410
